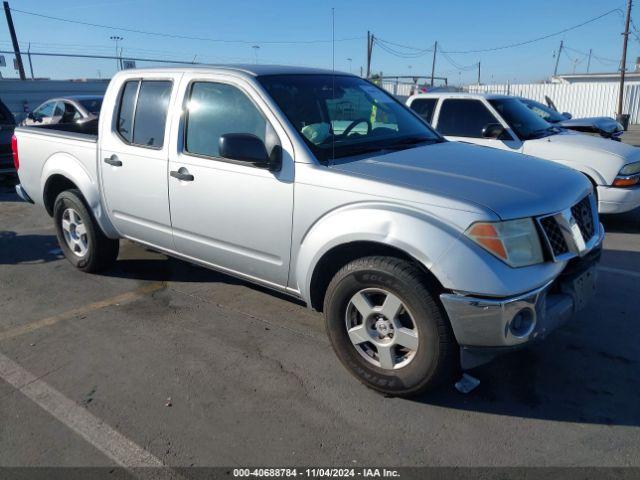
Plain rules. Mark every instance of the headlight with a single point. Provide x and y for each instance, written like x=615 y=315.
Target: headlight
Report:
x=630 y=169
x=515 y=242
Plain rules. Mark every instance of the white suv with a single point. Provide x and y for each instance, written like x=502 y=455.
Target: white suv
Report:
x=501 y=121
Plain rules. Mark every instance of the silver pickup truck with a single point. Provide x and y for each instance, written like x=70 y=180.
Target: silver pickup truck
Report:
x=422 y=254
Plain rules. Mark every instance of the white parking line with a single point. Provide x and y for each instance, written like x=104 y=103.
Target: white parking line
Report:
x=620 y=271
x=110 y=442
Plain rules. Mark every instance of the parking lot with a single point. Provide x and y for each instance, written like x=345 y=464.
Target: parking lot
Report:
x=176 y=364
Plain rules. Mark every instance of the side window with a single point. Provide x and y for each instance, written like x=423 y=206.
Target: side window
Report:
x=142 y=114
x=58 y=112
x=126 y=109
x=215 y=109
x=151 y=113
x=425 y=107
x=45 y=111
x=464 y=118
x=68 y=112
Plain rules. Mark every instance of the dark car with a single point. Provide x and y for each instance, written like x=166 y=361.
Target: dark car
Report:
x=7 y=124
x=606 y=127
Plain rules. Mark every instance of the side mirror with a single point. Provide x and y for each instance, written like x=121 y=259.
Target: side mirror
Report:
x=493 y=130
x=245 y=147
x=567 y=115
x=30 y=116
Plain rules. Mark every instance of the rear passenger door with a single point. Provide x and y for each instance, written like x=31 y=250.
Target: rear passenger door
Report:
x=463 y=119
x=134 y=157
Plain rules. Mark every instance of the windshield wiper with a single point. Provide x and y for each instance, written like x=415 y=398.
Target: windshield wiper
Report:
x=544 y=132
x=412 y=141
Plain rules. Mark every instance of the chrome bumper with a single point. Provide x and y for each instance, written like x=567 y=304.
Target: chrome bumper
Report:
x=515 y=321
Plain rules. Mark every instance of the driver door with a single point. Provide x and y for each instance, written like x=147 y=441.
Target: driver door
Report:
x=231 y=215
x=463 y=119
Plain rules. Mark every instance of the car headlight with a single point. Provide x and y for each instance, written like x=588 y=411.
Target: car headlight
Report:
x=630 y=169
x=515 y=242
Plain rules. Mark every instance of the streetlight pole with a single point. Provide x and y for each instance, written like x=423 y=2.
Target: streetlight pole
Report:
x=349 y=60
x=116 y=39
x=255 y=51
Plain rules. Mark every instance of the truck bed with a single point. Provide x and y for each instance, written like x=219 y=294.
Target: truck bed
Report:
x=78 y=130
x=65 y=149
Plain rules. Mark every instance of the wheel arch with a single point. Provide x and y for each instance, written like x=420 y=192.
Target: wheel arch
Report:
x=340 y=255
x=366 y=229
x=63 y=172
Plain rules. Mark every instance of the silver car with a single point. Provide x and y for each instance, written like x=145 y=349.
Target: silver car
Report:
x=65 y=110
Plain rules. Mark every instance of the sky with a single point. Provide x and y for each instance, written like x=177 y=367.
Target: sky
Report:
x=457 y=25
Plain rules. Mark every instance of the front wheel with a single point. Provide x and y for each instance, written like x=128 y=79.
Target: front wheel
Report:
x=79 y=236
x=387 y=328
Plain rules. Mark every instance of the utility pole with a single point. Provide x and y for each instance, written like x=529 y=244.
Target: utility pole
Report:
x=623 y=60
x=555 y=70
x=14 y=40
x=29 y=57
x=116 y=39
x=589 y=61
x=433 y=64
x=370 y=38
x=478 y=73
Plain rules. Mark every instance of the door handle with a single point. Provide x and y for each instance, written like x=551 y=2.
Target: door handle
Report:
x=113 y=160
x=182 y=174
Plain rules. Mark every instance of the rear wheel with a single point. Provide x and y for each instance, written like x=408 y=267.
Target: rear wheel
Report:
x=387 y=328
x=79 y=236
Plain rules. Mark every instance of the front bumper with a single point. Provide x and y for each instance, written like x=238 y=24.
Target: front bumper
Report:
x=489 y=326
x=618 y=199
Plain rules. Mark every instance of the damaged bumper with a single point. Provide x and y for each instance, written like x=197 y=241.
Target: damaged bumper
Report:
x=485 y=327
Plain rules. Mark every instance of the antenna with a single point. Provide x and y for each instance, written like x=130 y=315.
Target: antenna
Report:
x=333 y=79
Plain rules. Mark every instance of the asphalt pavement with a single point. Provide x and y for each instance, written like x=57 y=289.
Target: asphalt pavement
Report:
x=163 y=361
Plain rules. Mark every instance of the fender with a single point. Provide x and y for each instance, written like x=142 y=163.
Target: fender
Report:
x=592 y=174
x=421 y=235
x=71 y=168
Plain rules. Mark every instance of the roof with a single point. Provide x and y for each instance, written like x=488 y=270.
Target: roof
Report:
x=489 y=96
x=248 y=69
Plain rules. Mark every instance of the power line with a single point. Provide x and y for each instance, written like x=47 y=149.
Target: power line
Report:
x=408 y=47
x=533 y=40
x=184 y=37
x=464 y=68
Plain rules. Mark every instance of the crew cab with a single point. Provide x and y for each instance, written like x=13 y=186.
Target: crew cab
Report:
x=422 y=254
x=504 y=122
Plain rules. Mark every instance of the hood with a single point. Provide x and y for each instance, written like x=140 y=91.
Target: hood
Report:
x=604 y=124
x=511 y=185
x=591 y=154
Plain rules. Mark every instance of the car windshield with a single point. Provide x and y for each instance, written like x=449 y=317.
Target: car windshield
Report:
x=544 y=112
x=526 y=124
x=92 y=105
x=339 y=116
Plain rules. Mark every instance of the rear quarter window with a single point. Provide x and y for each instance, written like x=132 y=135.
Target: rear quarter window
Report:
x=142 y=115
x=424 y=107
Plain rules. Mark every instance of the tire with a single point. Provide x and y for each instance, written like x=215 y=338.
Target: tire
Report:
x=417 y=365
x=79 y=236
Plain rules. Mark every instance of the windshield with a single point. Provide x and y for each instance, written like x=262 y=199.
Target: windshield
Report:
x=544 y=112
x=526 y=124
x=92 y=105
x=339 y=116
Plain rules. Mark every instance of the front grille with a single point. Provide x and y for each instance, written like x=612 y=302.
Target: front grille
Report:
x=581 y=211
x=554 y=236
